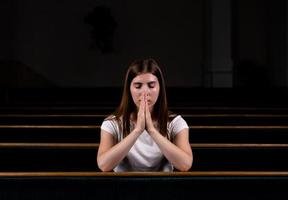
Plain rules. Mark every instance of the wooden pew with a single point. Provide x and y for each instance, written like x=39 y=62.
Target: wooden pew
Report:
x=70 y=141
x=135 y=185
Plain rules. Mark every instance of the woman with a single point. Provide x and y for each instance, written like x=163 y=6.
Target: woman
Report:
x=142 y=135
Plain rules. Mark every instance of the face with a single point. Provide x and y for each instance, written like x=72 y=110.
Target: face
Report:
x=142 y=84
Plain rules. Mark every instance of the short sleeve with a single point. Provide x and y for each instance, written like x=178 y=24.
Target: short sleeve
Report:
x=110 y=126
x=177 y=125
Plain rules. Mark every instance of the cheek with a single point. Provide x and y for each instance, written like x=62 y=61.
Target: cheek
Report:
x=154 y=95
x=135 y=95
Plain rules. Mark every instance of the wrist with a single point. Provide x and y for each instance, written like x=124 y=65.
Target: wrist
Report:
x=152 y=131
x=138 y=131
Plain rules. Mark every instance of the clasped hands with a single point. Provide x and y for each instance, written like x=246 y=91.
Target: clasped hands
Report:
x=144 y=119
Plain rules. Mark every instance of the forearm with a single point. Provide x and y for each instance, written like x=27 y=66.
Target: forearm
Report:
x=176 y=156
x=108 y=160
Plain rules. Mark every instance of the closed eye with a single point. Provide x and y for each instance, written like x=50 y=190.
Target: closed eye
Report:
x=137 y=85
x=151 y=84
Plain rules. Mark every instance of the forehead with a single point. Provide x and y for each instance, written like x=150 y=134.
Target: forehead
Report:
x=145 y=77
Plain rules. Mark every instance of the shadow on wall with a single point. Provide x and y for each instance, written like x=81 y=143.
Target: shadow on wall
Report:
x=103 y=28
x=14 y=74
x=248 y=74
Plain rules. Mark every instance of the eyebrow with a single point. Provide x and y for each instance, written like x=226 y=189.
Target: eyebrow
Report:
x=150 y=82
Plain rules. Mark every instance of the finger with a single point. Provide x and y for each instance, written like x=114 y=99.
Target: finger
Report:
x=146 y=102
x=147 y=111
x=142 y=104
x=143 y=98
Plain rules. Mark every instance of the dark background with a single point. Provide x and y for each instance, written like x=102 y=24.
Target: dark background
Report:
x=59 y=57
x=89 y=44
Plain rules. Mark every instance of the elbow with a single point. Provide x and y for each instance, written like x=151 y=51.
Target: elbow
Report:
x=103 y=169
x=102 y=166
x=186 y=166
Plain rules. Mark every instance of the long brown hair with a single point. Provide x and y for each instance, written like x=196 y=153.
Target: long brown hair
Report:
x=127 y=105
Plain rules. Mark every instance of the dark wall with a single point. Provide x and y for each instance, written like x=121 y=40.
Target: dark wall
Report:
x=6 y=32
x=90 y=43
x=259 y=43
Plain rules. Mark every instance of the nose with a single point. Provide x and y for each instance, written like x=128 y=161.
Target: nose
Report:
x=145 y=90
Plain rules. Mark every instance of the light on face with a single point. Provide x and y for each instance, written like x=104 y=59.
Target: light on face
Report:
x=145 y=84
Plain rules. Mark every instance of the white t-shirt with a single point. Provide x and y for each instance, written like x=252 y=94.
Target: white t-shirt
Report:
x=145 y=154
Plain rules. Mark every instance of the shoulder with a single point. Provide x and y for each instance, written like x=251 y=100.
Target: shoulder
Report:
x=178 y=119
x=177 y=124
x=171 y=116
x=110 y=117
x=110 y=124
